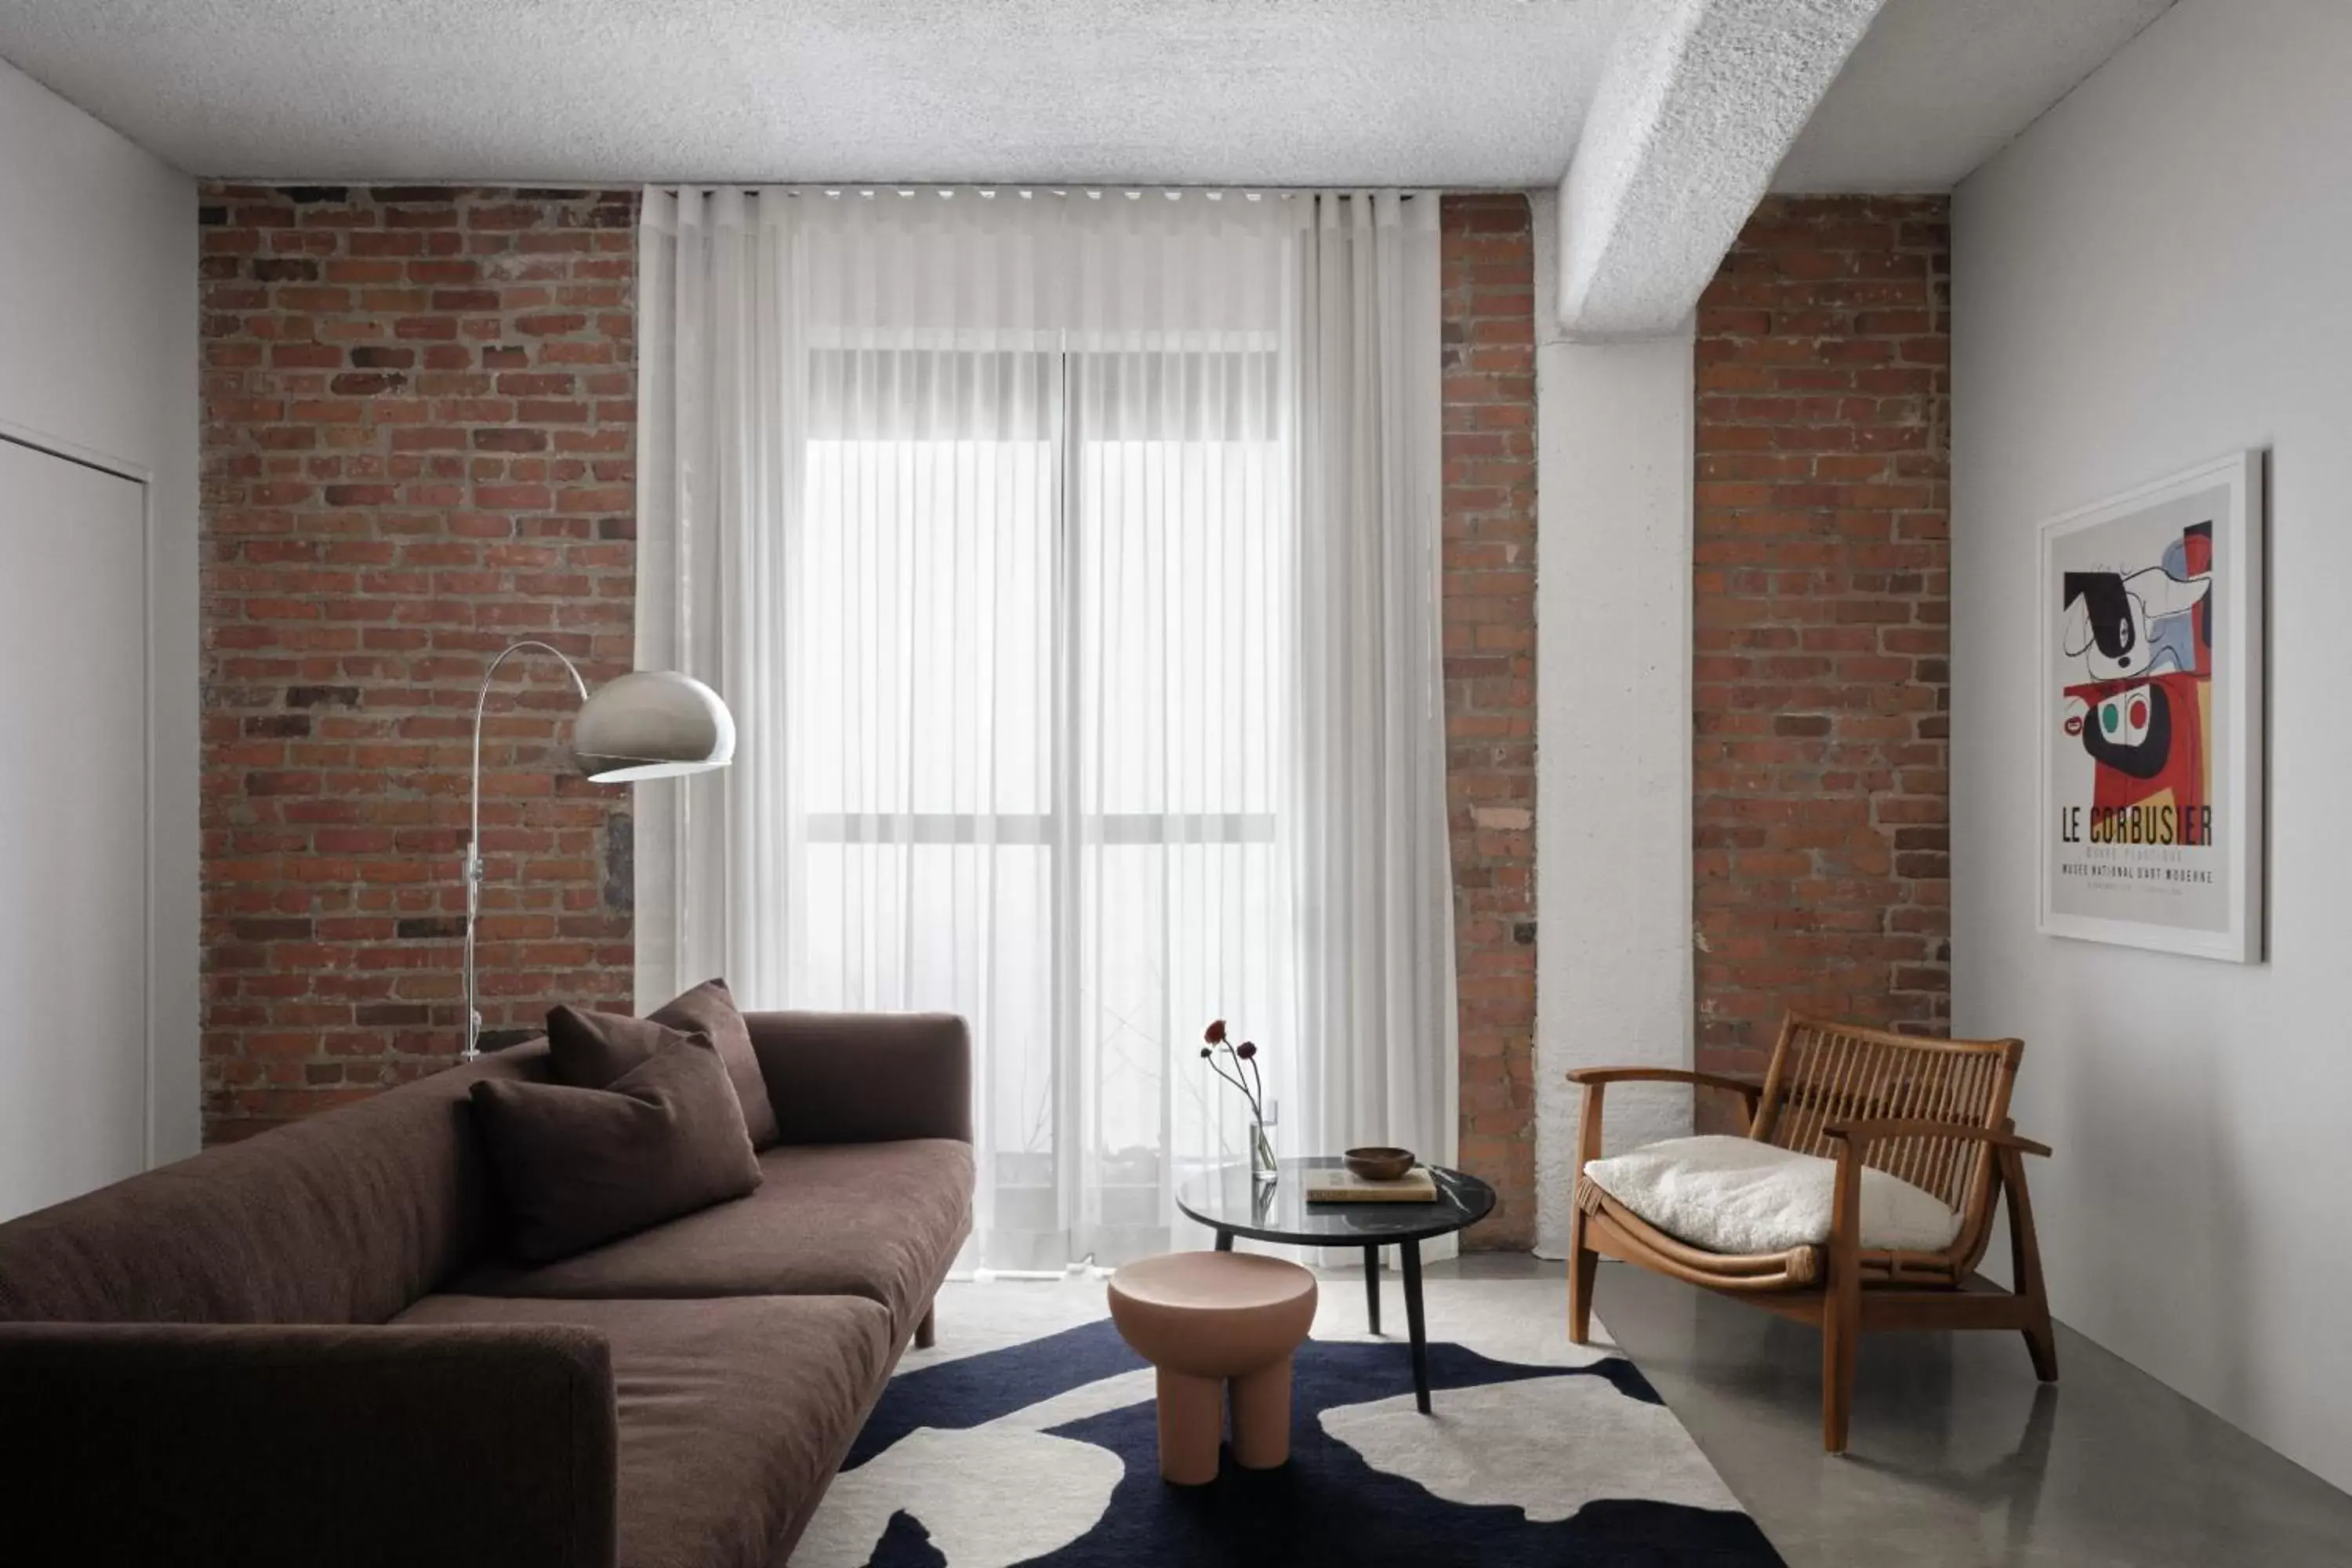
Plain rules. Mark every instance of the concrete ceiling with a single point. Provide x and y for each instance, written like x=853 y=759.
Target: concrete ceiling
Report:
x=1938 y=86
x=1452 y=92
x=1191 y=91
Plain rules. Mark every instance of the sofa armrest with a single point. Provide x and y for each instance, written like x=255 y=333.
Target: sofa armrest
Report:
x=207 y=1446
x=865 y=1077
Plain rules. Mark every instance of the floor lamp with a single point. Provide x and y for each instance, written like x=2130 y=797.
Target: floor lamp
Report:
x=653 y=724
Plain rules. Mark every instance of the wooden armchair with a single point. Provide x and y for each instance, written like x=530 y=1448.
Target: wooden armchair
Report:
x=1933 y=1112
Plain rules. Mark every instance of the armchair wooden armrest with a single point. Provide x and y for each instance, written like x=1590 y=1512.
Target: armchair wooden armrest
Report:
x=1861 y=1134
x=1595 y=1079
x=1749 y=1087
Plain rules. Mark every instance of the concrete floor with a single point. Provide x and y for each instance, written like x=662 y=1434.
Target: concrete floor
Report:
x=1958 y=1457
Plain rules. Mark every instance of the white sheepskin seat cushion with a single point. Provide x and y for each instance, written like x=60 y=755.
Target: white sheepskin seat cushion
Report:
x=1736 y=1195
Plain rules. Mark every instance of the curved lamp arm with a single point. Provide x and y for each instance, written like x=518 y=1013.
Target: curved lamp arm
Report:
x=474 y=831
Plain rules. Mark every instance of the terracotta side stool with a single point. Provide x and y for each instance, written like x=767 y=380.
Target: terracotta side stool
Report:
x=1205 y=1320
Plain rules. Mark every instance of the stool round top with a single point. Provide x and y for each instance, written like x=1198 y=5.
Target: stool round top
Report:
x=1212 y=1281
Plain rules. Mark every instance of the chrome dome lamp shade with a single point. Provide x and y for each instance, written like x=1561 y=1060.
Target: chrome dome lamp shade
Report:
x=652 y=724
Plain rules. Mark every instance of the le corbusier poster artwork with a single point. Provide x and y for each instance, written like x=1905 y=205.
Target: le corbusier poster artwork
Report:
x=2151 y=716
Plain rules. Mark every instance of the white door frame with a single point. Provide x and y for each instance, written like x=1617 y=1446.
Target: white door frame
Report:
x=138 y=474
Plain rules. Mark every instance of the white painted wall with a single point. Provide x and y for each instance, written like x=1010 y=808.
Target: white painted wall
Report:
x=1613 y=716
x=2152 y=275
x=74 y=888
x=97 y=352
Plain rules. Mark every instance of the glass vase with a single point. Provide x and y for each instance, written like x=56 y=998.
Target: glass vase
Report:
x=1263 y=1169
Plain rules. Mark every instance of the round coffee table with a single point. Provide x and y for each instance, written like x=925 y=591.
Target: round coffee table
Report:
x=1231 y=1204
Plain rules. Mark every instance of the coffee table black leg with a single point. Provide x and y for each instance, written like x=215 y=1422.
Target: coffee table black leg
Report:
x=1224 y=1241
x=1372 y=1286
x=1410 y=1251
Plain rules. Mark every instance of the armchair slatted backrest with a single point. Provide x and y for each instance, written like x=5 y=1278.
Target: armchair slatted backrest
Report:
x=1824 y=1073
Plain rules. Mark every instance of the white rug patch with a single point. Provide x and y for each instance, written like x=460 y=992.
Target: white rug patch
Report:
x=1501 y=1443
x=1086 y=1399
x=990 y=1496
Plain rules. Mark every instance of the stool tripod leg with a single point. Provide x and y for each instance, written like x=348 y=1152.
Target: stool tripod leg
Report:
x=1192 y=1426
x=1262 y=1418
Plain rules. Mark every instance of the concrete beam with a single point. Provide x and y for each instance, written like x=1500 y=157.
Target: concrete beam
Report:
x=1700 y=101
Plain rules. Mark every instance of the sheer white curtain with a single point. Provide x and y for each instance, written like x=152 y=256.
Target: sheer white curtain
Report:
x=1070 y=562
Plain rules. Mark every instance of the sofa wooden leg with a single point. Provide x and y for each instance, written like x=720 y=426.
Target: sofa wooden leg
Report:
x=1583 y=1270
x=926 y=1333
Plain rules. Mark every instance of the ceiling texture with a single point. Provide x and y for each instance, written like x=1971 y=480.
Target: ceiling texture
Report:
x=1272 y=92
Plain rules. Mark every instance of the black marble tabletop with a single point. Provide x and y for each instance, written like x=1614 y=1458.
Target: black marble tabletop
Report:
x=1227 y=1200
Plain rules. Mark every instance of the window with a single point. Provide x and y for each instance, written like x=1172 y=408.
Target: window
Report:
x=1037 y=742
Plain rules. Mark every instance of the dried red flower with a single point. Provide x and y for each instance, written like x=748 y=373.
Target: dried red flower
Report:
x=1215 y=1033
x=1245 y=1050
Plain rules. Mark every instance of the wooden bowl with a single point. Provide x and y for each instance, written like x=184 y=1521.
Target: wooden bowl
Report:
x=1378 y=1164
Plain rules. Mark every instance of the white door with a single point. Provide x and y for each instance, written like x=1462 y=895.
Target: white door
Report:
x=73 y=829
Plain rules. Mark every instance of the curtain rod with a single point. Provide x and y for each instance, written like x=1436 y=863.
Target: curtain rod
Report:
x=989 y=190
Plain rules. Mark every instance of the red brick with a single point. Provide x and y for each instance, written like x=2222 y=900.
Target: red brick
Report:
x=1837 y=526
x=324 y=560
x=1487 y=278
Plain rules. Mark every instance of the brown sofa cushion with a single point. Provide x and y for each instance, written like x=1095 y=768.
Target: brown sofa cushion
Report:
x=587 y=1049
x=878 y=1220
x=306 y=1446
x=709 y=1009
x=344 y=1218
x=579 y=1166
x=864 y=1078
x=734 y=1414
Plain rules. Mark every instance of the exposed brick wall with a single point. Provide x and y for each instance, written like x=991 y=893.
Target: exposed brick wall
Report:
x=1488 y=278
x=418 y=447
x=1822 y=604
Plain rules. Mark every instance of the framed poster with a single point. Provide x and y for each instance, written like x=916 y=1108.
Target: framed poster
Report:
x=2150 y=704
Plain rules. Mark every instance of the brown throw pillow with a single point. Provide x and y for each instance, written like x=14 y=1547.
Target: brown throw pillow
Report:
x=709 y=1009
x=590 y=1049
x=580 y=1166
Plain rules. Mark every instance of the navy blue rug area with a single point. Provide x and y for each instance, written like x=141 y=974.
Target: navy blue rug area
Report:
x=1046 y=1453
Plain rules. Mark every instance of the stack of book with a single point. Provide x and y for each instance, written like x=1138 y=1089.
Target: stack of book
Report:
x=1336 y=1184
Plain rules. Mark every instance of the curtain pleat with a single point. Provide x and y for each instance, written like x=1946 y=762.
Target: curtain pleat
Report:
x=1071 y=563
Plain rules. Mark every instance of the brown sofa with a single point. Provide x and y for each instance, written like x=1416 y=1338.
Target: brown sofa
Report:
x=306 y=1349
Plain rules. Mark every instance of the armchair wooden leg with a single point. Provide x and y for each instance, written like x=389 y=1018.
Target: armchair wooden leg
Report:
x=1842 y=1307
x=1583 y=1269
x=1840 y=1329
x=2026 y=1267
x=1584 y=1263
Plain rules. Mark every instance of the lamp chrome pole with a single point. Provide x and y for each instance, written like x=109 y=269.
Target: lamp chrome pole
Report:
x=474 y=832
x=648 y=724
